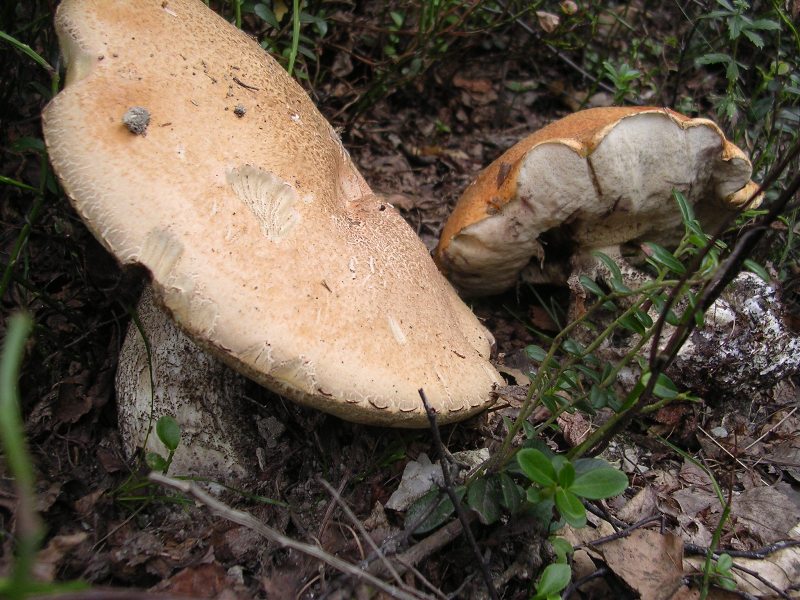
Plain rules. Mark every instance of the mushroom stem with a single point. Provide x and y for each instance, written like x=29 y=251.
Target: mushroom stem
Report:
x=202 y=394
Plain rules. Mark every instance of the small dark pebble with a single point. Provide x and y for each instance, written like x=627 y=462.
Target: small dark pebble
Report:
x=239 y=110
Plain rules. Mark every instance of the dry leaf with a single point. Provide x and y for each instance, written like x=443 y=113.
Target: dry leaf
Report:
x=201 y=581
x=781 y=569
x=548 y=21
x=476 y=86
x=641 y=506
x=647 y=561
x=693 y=500
x=768 y=512
x=48 y=559
x=786 y=456
x=575 y=427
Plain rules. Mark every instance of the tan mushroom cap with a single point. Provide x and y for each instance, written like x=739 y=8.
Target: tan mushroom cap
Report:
x=595 y=179
x=264 y=242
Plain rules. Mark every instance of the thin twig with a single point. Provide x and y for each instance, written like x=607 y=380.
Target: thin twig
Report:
x=448 y=483
x=560 y=55
x=763 y=580
x=623 y=532
x=573 y=587
x=337 y=497
x=418 y=574
x=601 y=513
x=770 y=430
x=329 y=511
x=249 y=521
x=758 y=553
x=725 y=450
x=420 y=551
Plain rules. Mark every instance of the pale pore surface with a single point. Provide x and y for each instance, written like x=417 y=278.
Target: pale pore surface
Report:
x=265 y=243
x=597 y=197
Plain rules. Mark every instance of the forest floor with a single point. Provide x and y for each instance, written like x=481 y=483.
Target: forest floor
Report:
x=420 y=146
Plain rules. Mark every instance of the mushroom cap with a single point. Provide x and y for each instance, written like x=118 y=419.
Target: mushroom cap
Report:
x=264 y=242
x=595 y=179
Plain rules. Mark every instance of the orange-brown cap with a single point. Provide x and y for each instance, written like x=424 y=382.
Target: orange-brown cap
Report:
x=594 y=179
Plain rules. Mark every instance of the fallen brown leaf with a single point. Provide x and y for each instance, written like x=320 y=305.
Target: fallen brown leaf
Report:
x=768 y=512
x=642 y=505
x=648 y=562
x=49 y=557
x=548 y=21
x=201 y=581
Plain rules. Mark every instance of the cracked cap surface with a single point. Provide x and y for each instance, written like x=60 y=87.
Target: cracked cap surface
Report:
x=264 y=242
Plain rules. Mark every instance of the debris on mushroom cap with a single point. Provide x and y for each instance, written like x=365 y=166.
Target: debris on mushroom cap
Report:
x=264 y=242
x=595 y=179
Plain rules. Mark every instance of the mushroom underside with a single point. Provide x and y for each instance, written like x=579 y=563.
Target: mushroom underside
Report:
x=570 y=199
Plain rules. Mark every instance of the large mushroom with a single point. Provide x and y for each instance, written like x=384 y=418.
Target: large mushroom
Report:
x=597 y=179
x=187 y=149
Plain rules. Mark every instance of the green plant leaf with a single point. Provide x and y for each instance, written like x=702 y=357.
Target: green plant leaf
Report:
x=529 y=430
x=591 y=286
x=27 y=50
x=599 y=483
x=631 y=323
x=756 y=39
x=439 y=505
x=562 y=548
x=551 y=401
x=570 y=507
x=758 y=270
x=665 y=388
x=660 y=256
x=724 y=562
x=687 y=212
x=554 y=579
x=598 y=397
x=536 y=466
x=155 y=462
x=511 y=493
x=169 y=432
x=263 y=11
x=536 y=353
x=572 y=347
x=660 y=302
x=9 y=181
x=713 y=58
x=566 y=475
x=616 y=274
x=484 y=498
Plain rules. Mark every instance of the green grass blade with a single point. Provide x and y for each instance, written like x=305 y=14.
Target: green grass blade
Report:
x=16 y=183
x=27 y=50
x=16 y=453
x=295 y=35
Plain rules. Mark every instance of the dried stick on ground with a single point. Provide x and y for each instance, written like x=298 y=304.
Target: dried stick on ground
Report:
x=422 y=550
x=448 y=483
x=763 y=552
x=247 y=520
x=336 y=495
